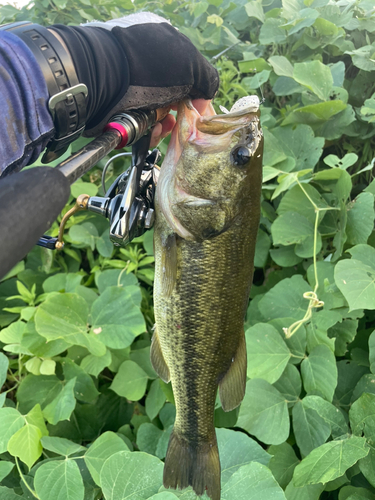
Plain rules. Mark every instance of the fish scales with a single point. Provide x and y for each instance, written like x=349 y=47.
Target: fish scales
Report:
x=201 y=290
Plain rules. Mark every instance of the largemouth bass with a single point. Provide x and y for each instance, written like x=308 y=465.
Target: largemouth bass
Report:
x=207 y=216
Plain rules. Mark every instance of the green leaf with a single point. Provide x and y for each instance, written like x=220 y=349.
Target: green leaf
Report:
x=252 y=482
x=362 y=416
x=148 y=437
x=281 y=66
x=11 y=421
x=285 y=299
x=84 y=389
x=308 y=492
x=290 y=228
x=101 y=449
x=59 y=480
x=329 y=413
x=296 y=200
x=283 y=463
x=356 y=277
x=116 y=317
x=353 y=493
x=255 y=9
x=264 y=412
x=26 y=445
x=371 y=344
x=65 y=316
x=262 y=247
x=35 y=417
x=61 y=446
x=237 y=449
x=114 y=277
x=131 y=475
x=95 y=364
x=13 y=334
x=329 y=461
x=62 y=282
x=7 y=493
x=361 y=217
x=5 y=469
x=4 y=363
x=315 y=76
x=130 y=382
x=84 y=234
x=271 y=32
x=315 y=114
x=80 y=187
x=319 y=372
x=267 y=353
x=37 y=389
x=63 y=405
x=289 y=384
x=310 y=429
x=349 y=374
x=155 y=400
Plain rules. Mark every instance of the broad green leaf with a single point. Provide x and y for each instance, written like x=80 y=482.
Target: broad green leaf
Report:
x=281 y=66
x=349 y=374
x=11 y=421
x=289 y=384
x=356 y=278
x=299 y=142
x=329 y=461
x=130 y=382
x=264 y=412
x=116 y=318
x=262 y=247
x=285 y=85
x=59 y=480
x=271 y=32
x=84 y=389
x=371 y=344
x=237 y=449
x=254 y=9
x=7 y=493
x=65 y=316
x=131 y=476
x=362 y=416
x=319 y=372
x=155 y=400
x=330 y=413
x=142 y=358
x=315 y=76
x=365 y=384
x=282 y=463
x=5 y=469
x=148 y=437
x=267 y=353
x=310 y=429
x=95 y=364
x=80 y=187
x=114 y=277
x=291 y=228
x=163 y=495
x=102 y=448
x=361 y=217
x=308 y=492
x=315 y=114
x=35 y=417
x=252 y=482
x=353 y=493
x=26 y=445
x=47 y=367
x=343 y=333
x=4 y=363
x=84 y=234
x=62 y=282
x=285 y=256
x=285 y=299
x=61 y=446
x=63 y=405
x=37 y=389
x=297 y=200
x=13 y=333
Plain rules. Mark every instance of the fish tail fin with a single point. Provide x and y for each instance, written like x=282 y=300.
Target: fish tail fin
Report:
x=193 y=464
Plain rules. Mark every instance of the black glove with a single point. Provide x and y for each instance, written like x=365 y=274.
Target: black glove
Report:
x=138 y=61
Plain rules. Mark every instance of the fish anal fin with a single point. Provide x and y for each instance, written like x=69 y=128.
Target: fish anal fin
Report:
x=157 y=359
x=232 y=386
x=193 y=464
x=168 y=265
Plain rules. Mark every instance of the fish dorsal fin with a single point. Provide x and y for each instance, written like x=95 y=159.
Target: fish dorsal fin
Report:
x=157 y=359
x=168 y=265
x=233 y=384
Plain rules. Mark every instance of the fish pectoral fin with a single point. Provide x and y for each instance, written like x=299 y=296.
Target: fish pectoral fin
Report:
x=157 y=359
x=169 y=265
x=232 y=386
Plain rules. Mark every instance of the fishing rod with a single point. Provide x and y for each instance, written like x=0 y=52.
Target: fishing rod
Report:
x=31 y=200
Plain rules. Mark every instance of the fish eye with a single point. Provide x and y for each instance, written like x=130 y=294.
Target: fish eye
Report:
x=240 y=156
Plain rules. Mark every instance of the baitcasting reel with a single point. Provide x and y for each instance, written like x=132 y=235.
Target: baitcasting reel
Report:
x=129 y=203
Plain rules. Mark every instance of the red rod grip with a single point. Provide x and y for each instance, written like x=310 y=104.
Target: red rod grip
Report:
x=121 y=129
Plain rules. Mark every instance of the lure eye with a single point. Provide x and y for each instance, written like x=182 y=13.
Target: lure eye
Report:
x=240 y=156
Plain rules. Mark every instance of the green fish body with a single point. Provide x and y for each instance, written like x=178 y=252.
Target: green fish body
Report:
x=207 y=216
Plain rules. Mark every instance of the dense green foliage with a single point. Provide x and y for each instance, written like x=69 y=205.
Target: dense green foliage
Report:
x=80 y=397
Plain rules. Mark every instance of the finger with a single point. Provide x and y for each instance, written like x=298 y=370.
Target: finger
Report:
x=162 y=129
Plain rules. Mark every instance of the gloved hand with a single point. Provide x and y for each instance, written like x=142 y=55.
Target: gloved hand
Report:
x=138 y=61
